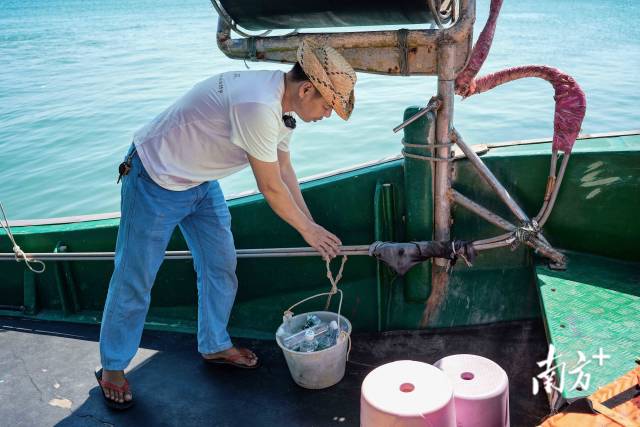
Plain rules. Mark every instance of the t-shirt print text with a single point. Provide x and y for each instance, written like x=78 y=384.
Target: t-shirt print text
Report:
x=220 y=85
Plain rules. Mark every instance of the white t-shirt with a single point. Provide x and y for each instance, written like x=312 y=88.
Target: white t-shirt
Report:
x=206 y=134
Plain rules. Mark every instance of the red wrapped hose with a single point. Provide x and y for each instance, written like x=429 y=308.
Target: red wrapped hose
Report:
x=571 y=103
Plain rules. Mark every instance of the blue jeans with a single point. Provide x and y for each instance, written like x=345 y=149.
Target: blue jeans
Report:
x=149 y=215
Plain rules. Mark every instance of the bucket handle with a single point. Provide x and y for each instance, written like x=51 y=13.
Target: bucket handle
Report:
x=334 y=290
x=288 y=311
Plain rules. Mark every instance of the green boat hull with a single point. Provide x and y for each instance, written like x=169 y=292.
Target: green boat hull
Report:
x=594 y=214
x=583 y=308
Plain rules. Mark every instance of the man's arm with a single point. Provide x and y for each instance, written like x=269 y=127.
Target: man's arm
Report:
x=279 y=197
x=291 y=181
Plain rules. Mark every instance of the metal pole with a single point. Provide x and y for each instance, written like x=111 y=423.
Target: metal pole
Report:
x=536 y=243
x=490 y=178
x=546 y=211
x=482 y=211
x=485 y=243
x=434 y=104
x=442 y=181
x=241 y=253
x=444 y=119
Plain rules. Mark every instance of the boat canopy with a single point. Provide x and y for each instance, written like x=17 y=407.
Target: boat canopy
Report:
x=279 y=14
x=389 y=51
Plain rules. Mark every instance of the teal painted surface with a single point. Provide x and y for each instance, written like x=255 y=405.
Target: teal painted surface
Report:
x=418 y=181
x=344 y=203
x=594 y=304
x=79 y=77
x=500 y=286
x=597 y=204
x=388 y=227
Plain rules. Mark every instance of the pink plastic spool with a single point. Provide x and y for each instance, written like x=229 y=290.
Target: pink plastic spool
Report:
x=480 y=388
x=407 y=393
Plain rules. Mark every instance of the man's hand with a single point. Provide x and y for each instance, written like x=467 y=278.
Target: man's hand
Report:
x=323 y=241
x=279 y=197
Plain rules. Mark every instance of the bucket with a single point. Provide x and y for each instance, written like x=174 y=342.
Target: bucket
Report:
x=318 y=369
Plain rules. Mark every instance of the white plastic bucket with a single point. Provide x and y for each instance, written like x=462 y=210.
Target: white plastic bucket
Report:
x=318 y=369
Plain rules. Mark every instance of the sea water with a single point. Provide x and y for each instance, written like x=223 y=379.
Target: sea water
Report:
x=79 y=77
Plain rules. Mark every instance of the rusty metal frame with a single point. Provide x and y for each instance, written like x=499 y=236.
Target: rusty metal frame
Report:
x=442 y=177
x=441 y=52
x=391 y=52
x=529 y=231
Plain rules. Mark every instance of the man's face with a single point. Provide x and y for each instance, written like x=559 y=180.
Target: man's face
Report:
x=311 y=105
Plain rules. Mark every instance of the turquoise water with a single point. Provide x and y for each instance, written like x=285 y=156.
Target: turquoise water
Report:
x=78 y=78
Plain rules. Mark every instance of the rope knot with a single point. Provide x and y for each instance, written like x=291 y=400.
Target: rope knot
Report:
x=19 y=253
x=334 y=282
x=525 y=233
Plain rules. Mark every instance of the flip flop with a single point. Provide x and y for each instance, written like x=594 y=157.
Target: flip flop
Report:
x=118 y=406
x=243 y=353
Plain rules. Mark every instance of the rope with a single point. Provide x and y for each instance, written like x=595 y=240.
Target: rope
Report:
x=523 y=234
x=460 y=253
x=426 y=158
x=343 y=334
x=454 y=253
x=334 y=282
x=19 y=253
x=404 y=51
x=527 y=231
x=427 y=146
x=333 y=291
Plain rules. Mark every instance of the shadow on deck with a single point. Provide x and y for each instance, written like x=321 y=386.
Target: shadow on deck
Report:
x=46 y=366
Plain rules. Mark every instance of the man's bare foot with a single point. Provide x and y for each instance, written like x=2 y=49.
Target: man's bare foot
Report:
x=117 y=378
x=242 y=357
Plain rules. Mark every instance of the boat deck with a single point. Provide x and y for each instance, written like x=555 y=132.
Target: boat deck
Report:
x=593 y=305
x=46 y=377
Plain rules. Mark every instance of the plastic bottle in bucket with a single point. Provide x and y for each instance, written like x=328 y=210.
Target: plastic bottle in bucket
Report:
x=310 y=343
x=330 y=338
x=285 y=330
x=323 y=367
x=293 y=341
x=312 y=320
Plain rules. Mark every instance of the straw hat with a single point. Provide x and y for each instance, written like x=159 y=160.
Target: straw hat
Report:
x=330 y=73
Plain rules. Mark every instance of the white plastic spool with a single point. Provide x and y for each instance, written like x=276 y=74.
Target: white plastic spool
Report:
x=407 y=393
x=481 y=390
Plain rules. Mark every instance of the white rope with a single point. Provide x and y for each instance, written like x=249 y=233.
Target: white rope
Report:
x=19 y=253
x=333 y=291
x=334 y=282
x=461 y=254
x=287 y=311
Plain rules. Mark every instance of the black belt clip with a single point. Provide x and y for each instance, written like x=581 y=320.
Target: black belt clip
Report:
x=125 y=166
